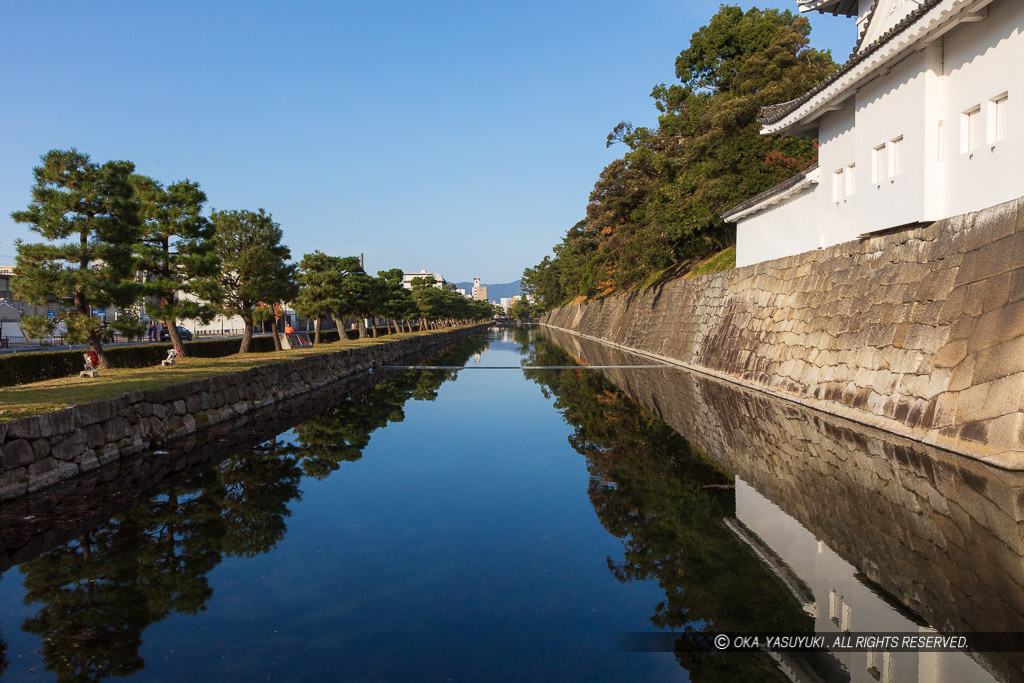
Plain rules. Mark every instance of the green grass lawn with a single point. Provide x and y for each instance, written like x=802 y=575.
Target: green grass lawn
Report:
x=55 y=394
x=723 y=260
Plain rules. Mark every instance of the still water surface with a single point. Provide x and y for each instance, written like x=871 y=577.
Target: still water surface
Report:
x=496 y=524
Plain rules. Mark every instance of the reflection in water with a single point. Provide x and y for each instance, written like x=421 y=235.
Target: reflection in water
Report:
x=765 y=517
x=97 y=593
x=340 y=433
x=666 y=500
x=888 y=534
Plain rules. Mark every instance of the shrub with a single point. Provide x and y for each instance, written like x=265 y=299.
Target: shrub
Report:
x=23 y=368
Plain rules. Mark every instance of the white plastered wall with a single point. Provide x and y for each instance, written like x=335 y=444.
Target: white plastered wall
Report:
x=971 y=65
x=983 y=60
x=892 y=107
x=788 y=227
x=836 y=211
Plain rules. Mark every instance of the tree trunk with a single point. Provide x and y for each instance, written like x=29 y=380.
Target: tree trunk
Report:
x=277 y=337
x=373 y=326
x=246 y=334
x=97 y=346
x=176 y=343
x=316 y=333
x=362 y=327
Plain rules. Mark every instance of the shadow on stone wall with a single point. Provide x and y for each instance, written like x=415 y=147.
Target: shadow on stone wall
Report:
x=940 y=532
x=919 y=332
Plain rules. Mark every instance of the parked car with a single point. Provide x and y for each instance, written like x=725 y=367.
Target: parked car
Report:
x=165 y=335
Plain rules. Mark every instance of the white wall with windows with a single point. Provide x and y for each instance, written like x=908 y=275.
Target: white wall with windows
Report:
x=890 y=116
x=983 y=110
x=837 y=157
x=937 y=134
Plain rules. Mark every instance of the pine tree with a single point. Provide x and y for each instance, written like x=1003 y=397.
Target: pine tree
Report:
x=177 y=254
x=253 y=264
x=90 y=220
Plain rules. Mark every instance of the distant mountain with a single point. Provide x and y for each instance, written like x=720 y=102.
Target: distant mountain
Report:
x=495 y=293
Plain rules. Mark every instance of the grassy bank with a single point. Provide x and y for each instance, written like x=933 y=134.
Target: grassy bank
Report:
x=44 y=397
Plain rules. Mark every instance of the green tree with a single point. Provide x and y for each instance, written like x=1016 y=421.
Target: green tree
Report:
x=319 y=281
x=358 y=294
x=177 y=253
x=88 y=214
x=282 y=290
x=522 y=310
x=396 y=301
x=429 y=300
x=253 y=264
x=656 y=211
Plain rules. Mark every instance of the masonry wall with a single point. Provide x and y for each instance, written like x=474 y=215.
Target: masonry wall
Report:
x=920 y=333
x=38 y=452
x=942 y=534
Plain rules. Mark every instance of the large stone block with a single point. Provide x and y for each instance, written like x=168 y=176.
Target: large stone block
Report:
x=95 y=436
x=25 y=428
x=42 y=474
x=13 y=483
x=17 y=453
x=116 y=429
x=94 y=413
x=66 y=470
x=74 y=445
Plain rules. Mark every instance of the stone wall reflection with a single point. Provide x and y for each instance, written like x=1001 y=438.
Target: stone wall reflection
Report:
x=939 y=532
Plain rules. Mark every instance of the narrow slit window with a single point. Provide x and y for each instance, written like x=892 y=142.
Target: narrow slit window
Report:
x=837 y=185
x=850 y=185
x=970 y=130
x=999 y=109
x=876 y=163
x=895 y=156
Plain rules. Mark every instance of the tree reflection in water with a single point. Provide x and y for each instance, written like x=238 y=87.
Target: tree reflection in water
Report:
x=97 y=594
x=666 y=500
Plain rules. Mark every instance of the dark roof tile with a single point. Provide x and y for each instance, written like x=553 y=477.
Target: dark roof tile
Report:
x=776 y=112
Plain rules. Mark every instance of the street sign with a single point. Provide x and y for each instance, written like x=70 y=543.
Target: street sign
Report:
x=50 y=314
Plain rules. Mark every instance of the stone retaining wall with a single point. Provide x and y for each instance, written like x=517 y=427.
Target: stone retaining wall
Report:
x=37 y=523
x=942 y=534
x=920 y=332
x=37 y=452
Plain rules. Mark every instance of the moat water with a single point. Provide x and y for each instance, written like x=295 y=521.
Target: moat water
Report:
x=493 y=523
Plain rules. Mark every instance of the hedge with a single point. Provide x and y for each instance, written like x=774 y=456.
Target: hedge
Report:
x=22 y=368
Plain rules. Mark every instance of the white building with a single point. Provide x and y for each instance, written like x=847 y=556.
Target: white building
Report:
x=479 y=291
x=407 y=278
x=925 y=121
x=508 y=301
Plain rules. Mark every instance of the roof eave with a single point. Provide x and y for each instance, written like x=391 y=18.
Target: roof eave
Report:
x=781 y=192
x=863 y=66
x=833 y=7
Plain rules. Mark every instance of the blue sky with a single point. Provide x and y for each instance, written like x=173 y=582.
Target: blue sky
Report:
x=458 y=137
